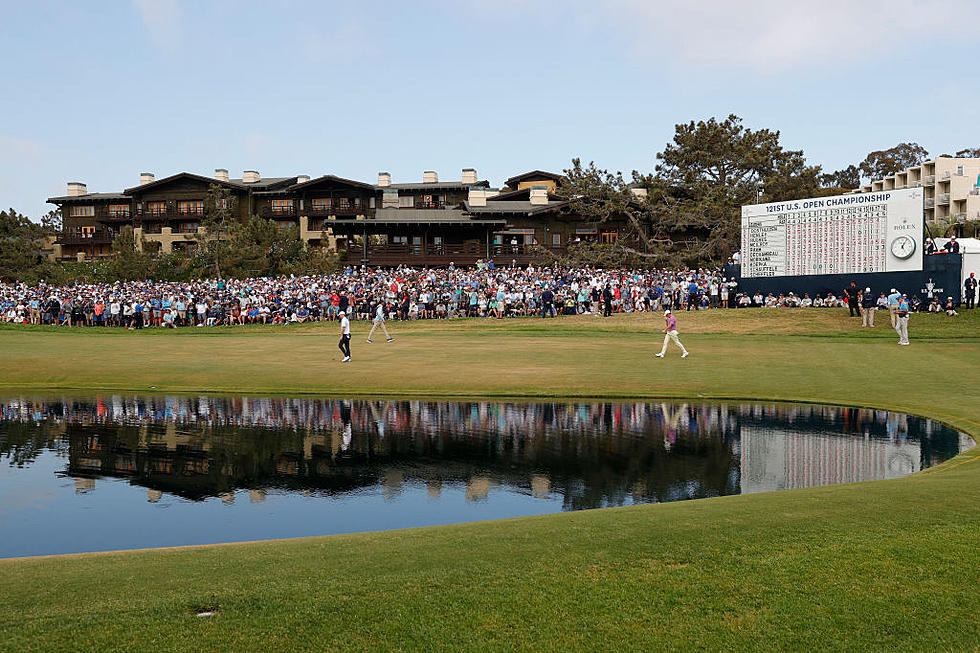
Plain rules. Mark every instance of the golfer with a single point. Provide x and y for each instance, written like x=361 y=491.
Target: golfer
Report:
x=344 y=343
x=671 y=330
x=379 y=321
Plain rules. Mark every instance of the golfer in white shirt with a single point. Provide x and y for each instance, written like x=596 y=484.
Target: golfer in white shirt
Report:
x=344 y=343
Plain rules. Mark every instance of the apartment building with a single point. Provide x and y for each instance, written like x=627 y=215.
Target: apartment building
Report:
x=428 y=222
x=951 y=187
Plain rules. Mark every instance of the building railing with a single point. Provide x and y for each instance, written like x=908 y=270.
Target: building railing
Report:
x=115 y=216
x=944 y=198
x=946 y=174
x=960 y=216
x=930 y=180
x=930 y=202
x=185 y=229
x=320 y=211
x=278 y=211
x=80 y=237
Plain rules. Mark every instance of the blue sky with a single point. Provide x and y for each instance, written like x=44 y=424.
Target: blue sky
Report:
x=99 y=91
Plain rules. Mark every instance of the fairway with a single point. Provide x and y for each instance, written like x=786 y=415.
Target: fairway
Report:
x=883 y=565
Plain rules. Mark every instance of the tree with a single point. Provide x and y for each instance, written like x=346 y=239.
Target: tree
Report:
x=21 y=248
x=211 y=237
x=885 y=162
x=52 y=221
x=848 y=178
x=969 y=153
x=128 y=262
x=713 y=168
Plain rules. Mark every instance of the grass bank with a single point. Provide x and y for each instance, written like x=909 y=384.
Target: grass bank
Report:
x=874 y=565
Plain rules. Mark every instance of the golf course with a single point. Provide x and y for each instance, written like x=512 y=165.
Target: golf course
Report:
x=884 y=565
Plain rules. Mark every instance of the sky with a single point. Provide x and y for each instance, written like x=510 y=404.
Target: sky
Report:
x=102 y=90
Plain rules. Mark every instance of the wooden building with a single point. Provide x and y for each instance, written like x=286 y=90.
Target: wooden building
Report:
x=431 y=222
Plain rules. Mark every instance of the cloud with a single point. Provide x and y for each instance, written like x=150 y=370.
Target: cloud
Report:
x=775 y=35
x=161 y=19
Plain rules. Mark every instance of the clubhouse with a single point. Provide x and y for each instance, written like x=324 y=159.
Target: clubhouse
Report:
x=431 y=222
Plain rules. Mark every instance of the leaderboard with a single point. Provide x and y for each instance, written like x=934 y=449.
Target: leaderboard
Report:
x=847 y=234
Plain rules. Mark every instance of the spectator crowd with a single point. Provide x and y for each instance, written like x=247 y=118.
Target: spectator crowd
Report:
x=407 y=293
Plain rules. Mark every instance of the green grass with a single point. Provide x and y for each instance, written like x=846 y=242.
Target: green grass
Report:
x=884 y=565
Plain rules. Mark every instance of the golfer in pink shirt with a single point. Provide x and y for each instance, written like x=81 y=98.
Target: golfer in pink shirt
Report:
x=671 y=334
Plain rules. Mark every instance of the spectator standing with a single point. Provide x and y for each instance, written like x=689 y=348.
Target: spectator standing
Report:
x=868 y=303
x=853 y=305
x=970 y=291
x=902 y=320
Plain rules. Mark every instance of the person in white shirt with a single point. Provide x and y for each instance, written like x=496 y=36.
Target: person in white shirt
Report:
x=379 y=321
x=344 y=344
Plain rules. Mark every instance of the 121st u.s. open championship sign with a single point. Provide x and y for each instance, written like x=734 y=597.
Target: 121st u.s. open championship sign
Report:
x=844 y=234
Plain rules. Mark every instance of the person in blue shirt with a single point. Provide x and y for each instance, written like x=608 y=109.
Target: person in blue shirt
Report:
x=893 y=300
x=902 y=316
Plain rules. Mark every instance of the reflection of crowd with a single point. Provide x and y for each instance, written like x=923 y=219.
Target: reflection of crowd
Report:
x=436 y=417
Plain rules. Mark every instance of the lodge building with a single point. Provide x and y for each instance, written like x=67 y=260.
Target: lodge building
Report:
x=431 y=222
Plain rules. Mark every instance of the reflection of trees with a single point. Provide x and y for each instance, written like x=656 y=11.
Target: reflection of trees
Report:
x=591 y=454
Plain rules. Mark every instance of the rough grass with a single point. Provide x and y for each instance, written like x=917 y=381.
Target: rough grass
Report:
x=882 y=566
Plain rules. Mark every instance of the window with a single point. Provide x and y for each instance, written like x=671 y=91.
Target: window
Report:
x=406 y=202
x=556 y=239
x=155 y=208
x=190 y=206
x=282 y=206
x=427 y=200
x=960 y=170
x=119 y=210
x=322 y=204
x=186 y=228
x=223 y=203
x=86 y=232
x=82 y=211
x=371 y=203
x=609 y=237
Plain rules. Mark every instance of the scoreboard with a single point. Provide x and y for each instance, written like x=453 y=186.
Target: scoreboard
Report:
x=844 y=234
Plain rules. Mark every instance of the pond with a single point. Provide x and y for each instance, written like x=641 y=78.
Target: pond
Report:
x=133 y=471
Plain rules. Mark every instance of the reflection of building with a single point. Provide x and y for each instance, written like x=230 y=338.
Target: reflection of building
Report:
x=586 y=454
x=776 y=460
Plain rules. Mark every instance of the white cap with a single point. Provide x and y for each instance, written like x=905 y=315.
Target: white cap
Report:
x=341 y=313
x=667 y=312
x=867 y=290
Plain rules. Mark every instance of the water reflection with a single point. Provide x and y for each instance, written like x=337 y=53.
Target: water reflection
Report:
x=543 y=456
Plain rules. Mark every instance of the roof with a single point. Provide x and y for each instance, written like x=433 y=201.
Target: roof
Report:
x=333 y=178
x=188 y=175
x=88 y=197
x=264 y=182
x=516 y=179
x=449 y=185
x=505 y=206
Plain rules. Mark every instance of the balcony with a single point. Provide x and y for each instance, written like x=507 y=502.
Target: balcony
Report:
x=79 y=237
x=930 y=202
x=278 y=212
x=115 y=216
x=929 y=180
x=916 y=184
x=946 y=174
x=322 y=211
x=944 y=198
x=960 y=216
x=190 y=228
x=171 y=214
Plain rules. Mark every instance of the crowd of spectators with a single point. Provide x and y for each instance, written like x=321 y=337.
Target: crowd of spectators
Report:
x=407 y=293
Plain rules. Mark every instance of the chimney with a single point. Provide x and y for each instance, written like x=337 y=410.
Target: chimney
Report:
x=469 y=175
x=539 y=195
x=221 y=174
x=302 y=179
x=384 y=179
x=430 y=177
x=250 y=176
x=76 y=188
x=146 y=178
x=478 y=197
x=639 y=193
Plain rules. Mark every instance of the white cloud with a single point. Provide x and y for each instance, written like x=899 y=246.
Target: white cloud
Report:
x=774 y=35
x=161 y=19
